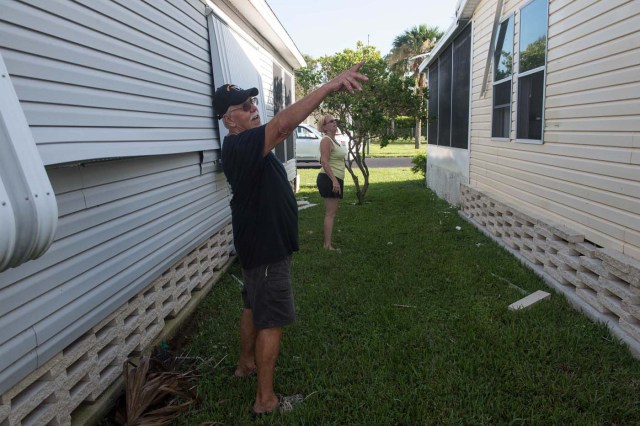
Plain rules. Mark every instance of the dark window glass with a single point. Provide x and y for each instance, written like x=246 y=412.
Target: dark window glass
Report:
x=444 y=98
x=503 y=54
x=533 y=38
x=533 y=50
x=433 y=104
x=530 y=96
x=460 y=89
x=501 y=110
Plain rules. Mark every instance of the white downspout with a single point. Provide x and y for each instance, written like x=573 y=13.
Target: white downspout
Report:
x=28 y=209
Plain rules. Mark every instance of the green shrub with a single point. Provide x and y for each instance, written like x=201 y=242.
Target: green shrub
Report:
x=419 y=164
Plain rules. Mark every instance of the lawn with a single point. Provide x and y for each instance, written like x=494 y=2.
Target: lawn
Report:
x=409 y=325
x=397 y=148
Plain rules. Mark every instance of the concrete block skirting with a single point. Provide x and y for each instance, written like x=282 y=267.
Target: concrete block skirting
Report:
x=80 y=384
x=602 y=283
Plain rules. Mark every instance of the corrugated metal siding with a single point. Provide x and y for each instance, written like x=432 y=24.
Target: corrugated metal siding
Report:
x=101 y=79
x=122 y=223
x=586 y=174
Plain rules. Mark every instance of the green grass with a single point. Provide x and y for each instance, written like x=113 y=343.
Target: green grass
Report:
x=409 y=325
x=397 y=148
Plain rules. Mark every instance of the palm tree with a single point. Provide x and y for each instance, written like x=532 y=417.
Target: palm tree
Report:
x=407 y=52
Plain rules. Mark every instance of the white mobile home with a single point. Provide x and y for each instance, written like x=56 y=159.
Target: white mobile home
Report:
x=114 y=212
x=537 y=137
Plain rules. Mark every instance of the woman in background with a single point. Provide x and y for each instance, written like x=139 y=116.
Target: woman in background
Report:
x=330 y=180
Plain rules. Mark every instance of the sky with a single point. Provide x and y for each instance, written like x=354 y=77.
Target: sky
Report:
x=329 y=26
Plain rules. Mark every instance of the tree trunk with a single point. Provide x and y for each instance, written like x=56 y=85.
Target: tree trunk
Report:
x=418 y=132
x=359 y=159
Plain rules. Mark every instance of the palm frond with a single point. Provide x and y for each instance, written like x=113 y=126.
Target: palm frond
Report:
x=154 y=398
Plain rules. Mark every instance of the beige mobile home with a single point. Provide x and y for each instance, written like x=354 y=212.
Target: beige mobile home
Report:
x=114 y=211
x=536 y=135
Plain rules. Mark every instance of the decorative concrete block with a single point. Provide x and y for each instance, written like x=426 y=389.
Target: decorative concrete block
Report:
x=556 y=273
x=632 y=327
x=619 y=261
x=620 y=288
x=49 y=412
x=570 y=257
x=611 y=302
x=564 y=233
x=509 y=242
x=590 y=279
x=593 y=265
x=623 y=267
x=571 y=277
x=36 y=397
x=591 y=297
x=585 y=249
x=631 y=309
x=527 y=253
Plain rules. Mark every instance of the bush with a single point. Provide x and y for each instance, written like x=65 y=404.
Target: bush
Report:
x=419 y=164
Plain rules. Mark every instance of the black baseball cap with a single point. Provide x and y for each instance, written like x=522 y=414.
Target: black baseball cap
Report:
x=228 y=95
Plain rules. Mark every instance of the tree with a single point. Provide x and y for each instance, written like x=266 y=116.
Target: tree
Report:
x=365 y=115
x=407 y=52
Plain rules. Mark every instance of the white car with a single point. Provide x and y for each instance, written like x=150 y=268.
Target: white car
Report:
x=308 y=142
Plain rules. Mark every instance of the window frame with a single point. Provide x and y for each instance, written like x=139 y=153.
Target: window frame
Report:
x=542 y=69
x=504 y=80
x=516 y=76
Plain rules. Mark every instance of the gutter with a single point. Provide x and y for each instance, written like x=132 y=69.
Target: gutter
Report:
x=464 y=12
x=28 y=208
x=261 y=17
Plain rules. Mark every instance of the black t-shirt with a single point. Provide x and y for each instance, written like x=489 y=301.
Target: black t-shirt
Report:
x=264 y=211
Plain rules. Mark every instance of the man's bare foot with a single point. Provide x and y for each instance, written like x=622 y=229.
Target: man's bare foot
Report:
x=284 y=404
x=331 y=248
x=265 y=408
x=244 y=372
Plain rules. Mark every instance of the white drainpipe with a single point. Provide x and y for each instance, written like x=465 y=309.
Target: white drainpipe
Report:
x=28 y=209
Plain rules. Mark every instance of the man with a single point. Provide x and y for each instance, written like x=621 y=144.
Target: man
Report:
x=265 y=224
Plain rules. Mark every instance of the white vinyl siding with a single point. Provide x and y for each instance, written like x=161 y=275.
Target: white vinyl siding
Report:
x=121 y=224
x=100 y=79
x=586 y=174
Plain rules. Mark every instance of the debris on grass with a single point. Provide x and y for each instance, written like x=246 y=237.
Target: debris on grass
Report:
x=155 y=395
x=530 y=300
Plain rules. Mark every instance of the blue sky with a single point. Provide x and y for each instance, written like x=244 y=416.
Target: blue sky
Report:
x=325 y=27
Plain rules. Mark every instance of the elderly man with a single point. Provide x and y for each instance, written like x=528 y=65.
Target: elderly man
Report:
x=265 y=224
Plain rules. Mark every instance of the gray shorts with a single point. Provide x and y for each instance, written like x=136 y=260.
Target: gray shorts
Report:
x=267 y=292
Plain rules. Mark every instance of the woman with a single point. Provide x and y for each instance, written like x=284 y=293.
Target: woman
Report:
x=330 y=180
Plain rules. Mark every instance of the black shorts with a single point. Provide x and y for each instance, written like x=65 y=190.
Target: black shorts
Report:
x=325 y=186
x=267 y=292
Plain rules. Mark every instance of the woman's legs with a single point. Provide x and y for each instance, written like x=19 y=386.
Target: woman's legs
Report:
x=331 y=208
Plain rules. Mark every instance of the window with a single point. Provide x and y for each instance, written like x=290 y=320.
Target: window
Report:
x=449 y=89
x=460 y=89
x=531 y=70
x=502 y=72
x=444 y=107
x=432 y=134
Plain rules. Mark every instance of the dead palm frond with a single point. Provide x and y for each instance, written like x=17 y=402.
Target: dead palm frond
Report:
x=154 y=398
